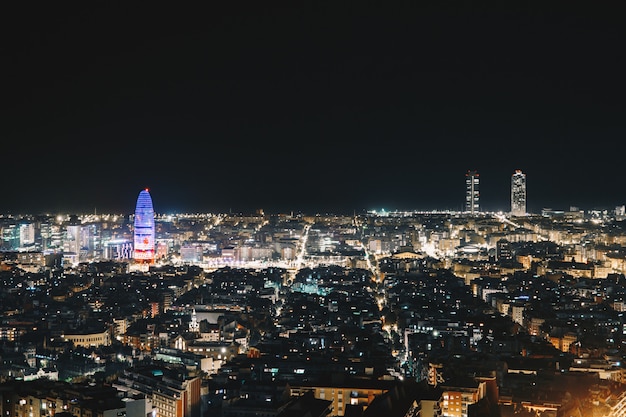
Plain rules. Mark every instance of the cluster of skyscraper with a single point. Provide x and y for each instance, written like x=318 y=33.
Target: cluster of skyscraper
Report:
x=518 y=193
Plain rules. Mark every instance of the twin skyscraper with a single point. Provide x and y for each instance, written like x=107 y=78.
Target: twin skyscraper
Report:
x=518 y=193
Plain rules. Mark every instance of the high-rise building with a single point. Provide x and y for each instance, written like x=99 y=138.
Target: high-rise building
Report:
x=518 y=193
x=71 y=244
x=472 y=195
x=144 y=228
x=27 y=234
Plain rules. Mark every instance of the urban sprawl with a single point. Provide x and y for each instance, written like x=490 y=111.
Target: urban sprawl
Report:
x=371 y=314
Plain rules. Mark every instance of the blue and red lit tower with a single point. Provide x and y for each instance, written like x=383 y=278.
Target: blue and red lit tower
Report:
x=144 y=228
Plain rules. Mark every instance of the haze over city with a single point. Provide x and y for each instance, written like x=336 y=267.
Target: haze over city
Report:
x=311 y=107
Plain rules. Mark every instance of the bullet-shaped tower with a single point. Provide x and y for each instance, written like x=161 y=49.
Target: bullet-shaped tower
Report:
x=144 y=228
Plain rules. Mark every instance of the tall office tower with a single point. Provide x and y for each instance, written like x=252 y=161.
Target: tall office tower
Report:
x=472 y=194
x=71 y=244
x=27 y=234
x=518 y=193
x=144 y=228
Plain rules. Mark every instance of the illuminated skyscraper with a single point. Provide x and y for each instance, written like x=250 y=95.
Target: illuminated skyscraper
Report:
x=518 y=193
x=144 y=228
x=472 y=195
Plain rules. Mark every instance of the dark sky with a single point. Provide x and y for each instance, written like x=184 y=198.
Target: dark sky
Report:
x=314 y=107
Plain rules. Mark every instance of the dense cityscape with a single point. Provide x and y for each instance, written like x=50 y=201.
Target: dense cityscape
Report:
x=306 y=314
x=324 y=209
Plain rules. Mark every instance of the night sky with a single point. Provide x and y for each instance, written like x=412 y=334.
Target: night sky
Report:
x=312 y=107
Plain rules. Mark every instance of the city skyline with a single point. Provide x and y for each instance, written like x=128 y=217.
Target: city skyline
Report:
x=330 y=307
x=472 y=205
x=312 y=108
